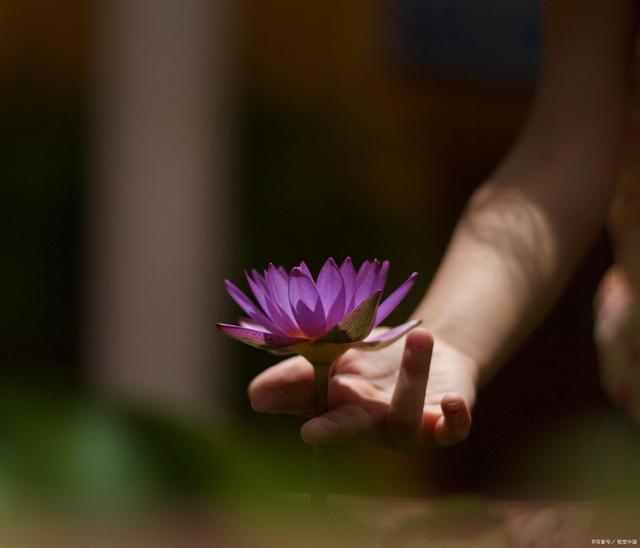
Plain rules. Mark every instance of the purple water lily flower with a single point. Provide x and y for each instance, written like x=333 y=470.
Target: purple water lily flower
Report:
x=318 y=318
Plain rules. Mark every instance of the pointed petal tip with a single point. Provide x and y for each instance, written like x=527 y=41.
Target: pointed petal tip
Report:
x=387 y=338
x=250 y=276
x=222 y=326
x=411 y=279
x=258 y=339
x=306 y=303
x=305 y=268
x=393 y=300
x=299 y=271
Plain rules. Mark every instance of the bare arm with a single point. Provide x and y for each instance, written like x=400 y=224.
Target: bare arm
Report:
x=526 y=228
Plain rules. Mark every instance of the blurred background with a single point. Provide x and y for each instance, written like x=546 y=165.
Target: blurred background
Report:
x=152 y=149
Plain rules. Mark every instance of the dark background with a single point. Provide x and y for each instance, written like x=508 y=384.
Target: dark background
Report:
x=360 y=128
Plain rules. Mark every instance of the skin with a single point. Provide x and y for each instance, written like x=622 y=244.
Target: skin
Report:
x=377 y=396
x=616 y=326
x=518 y=242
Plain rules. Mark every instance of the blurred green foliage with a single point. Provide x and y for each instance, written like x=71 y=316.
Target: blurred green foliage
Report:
x=84 y=456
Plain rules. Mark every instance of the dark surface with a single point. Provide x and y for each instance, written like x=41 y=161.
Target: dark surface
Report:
x=547 y=394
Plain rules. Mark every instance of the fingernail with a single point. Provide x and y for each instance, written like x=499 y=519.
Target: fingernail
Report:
x=452 y=406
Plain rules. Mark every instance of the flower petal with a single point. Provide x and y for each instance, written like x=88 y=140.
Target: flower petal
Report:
x=388 y=337
x=355 y=326
x=362 y=271
x=337 y=311
x=330 y=287
x=258 y=287
x=287 y=325
x=259 y=339
x=306 y=303
x=250 y=324
x=301 y=288
x=303 y=266
x=348 y=273
x=363 y=267
x=389 y=304
x=381 y=278
x=249 y=308
x=284 y=321
x=278 y=286
x=311 y=320
x=367 y=276
x=277 y=282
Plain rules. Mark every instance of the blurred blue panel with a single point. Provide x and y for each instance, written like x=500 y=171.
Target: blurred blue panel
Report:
x=472 y=39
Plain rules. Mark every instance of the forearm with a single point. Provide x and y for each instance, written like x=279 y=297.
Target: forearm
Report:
x=526 y=229
x=510 y=256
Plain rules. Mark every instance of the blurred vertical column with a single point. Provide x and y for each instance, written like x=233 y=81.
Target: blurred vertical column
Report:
x=160 y=201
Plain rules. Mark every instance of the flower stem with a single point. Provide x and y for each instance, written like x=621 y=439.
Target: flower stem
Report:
x=318 y=495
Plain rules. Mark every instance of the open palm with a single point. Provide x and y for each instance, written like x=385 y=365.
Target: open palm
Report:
x=408 y=394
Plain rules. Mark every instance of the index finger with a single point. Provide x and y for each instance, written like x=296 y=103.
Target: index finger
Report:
x=404 y=421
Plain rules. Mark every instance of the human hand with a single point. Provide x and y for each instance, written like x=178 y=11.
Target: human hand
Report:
x=616 y=331
x=381 y=396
